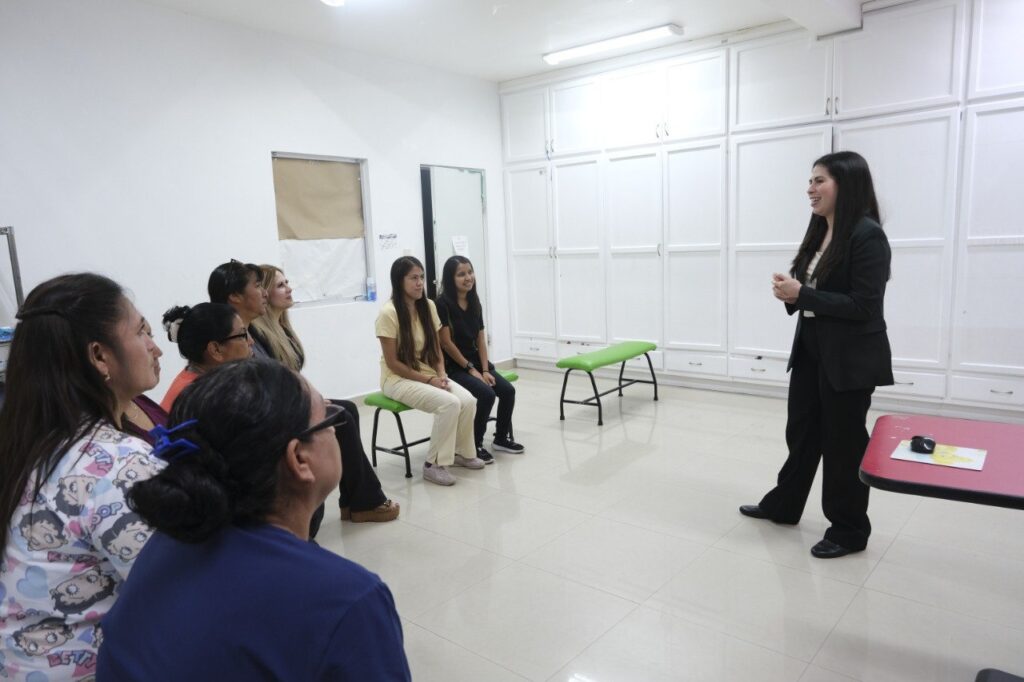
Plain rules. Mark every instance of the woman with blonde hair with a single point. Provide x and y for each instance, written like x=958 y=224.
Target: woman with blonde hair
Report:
x=360 y=495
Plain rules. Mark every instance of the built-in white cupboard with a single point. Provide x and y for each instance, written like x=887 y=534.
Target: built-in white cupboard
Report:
x=664 y=219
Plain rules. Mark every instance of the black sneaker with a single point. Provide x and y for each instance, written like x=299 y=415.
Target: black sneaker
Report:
x=487 y=457
x=508 y=445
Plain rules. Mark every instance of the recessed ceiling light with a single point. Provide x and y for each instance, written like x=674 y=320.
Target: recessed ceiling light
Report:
x=638 y=38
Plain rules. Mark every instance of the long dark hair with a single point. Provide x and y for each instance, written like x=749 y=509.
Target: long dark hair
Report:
x=55 y=395
x=246 y=413
x=193 y=328
x=449 y=291
x=406 y=347
x=231 y=278
x=855 y=199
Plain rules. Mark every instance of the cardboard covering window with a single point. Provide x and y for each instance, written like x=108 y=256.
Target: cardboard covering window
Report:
x=320 y=227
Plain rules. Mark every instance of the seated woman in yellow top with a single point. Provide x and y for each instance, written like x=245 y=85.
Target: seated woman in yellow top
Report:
x=412 y=372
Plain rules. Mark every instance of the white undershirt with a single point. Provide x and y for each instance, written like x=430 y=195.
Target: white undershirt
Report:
x=812 y=283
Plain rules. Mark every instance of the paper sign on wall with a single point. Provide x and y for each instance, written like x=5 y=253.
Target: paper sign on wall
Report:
x=460 y=246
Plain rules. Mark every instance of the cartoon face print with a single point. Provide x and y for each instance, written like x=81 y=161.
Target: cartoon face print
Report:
x=74 y=492
x=41 y=638
x=78 y=593
x=138 y=468
x=43 y=529
x=126 y=537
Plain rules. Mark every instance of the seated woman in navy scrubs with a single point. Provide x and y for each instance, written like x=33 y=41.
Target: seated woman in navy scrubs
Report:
x=464 y=342
x=228 y=587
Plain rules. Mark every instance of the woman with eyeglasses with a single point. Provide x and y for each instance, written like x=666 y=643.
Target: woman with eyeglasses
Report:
x=81 y=352
x=208 y=335
x=359 y=494
x=229 y=586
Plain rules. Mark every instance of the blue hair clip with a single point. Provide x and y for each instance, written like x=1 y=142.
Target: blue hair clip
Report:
x=170 y=450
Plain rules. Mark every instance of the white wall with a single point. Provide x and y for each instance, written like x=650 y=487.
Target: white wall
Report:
x=136 y=141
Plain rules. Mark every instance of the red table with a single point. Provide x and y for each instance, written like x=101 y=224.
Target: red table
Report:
x=1000 y=483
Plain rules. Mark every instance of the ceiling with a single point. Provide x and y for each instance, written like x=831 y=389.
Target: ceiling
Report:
x=495 y=40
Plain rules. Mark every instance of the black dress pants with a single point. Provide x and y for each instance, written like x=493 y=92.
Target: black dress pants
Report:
x=831 y=426
x=485 y=395
x=359 y=488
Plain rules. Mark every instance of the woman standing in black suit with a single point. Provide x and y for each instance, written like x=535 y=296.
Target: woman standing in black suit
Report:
x=840 y=353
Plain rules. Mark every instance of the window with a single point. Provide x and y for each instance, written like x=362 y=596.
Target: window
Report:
x=322 y=225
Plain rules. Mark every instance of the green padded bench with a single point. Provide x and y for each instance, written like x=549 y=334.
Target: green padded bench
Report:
x=588 y=362
x=381 y=402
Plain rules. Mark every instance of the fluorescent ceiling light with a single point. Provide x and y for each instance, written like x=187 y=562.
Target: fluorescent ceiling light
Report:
x=333 y=3
x=638 y=38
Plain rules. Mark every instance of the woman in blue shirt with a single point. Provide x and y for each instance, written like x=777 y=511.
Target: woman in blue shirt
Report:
x=228 y=586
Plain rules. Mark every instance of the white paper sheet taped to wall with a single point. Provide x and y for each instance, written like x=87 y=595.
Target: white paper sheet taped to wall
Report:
x=320 y=269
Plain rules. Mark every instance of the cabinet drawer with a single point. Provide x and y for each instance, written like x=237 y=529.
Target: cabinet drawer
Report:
x=640 y=363
x=758 y=368
x=567 y=349
x=1002 y=391
x=916 y=384
x=695 y=363
x=533 y=348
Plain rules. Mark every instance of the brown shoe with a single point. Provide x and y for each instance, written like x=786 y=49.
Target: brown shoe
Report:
x=346 y=514
x=385 y=512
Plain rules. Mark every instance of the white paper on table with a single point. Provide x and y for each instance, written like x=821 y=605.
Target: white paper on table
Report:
x=944 y=455
x=460 y=246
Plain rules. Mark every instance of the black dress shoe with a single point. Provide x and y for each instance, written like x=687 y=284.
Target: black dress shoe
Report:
x=754 y=511
x=826 y=549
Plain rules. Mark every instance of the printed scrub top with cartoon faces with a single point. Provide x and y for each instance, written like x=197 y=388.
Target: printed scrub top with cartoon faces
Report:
x=68 y=551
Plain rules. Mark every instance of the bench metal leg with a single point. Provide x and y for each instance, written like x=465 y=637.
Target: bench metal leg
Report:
x=561 y=401
x=654 y=379
x=622 y=369
x=373 y=439
x=405 y=445
x=402 y=451
x=597 y=397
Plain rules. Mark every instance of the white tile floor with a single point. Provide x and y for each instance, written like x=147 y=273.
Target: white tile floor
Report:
x=616 y=553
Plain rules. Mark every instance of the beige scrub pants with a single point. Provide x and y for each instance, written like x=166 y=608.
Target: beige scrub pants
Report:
x=453 y=412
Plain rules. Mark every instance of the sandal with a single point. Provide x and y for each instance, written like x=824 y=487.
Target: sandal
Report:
x=385 y=512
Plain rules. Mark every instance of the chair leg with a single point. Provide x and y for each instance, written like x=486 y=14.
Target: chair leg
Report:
x=373 y=440
x=405 y=445
x=600 y=414
x=654 y=379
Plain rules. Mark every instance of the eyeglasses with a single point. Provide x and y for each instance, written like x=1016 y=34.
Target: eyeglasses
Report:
x=336 y=416
x=244 y=334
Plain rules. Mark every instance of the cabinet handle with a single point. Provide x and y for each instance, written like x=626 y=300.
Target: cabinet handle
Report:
x=904 y=383
x=992 y=390
x=657 y=130
x=757 y=369
x=659 y=249
x=696 y=364
x=828 y=106
x=664 y=126
x=552 y=146
x=836 y=107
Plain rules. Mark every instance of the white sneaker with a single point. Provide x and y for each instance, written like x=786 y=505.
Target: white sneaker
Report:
x=471 y=463
x=438 y=474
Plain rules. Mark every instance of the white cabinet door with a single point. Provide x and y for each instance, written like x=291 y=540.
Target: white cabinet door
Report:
x=581 y=297
x=534 y=301
x=524 y=115
x=576 y=206
x=997 y=51
x=695 y=256
x=988 y=328
x=695 y=96
x=913 y=166
x=780 y=81
x=905 y=57
x=633 y=209
x=758 y=323
x=916 y=300
x=575 y=117
x=633 y=105
x=527 y=199
x=769 y=172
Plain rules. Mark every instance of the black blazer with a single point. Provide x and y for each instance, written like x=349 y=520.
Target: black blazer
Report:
x=848 y=309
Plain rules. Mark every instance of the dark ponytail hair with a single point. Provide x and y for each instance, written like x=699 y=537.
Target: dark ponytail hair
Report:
x=246 y=413
x=54 y=394
x=855 y=199
x=406 y=346
x=194 y=328
x=451 y=294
